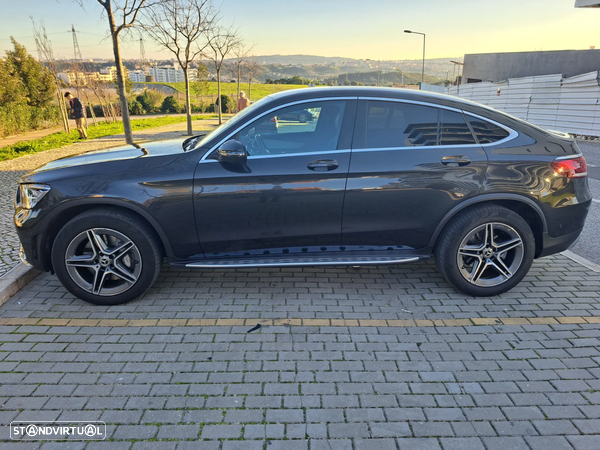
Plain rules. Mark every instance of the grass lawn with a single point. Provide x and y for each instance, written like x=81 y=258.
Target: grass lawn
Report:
x=57 y=140
x=258 y=90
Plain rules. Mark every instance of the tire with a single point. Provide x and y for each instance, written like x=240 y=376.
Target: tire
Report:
x=106 y=257
x=302 y=118
x=484 y=267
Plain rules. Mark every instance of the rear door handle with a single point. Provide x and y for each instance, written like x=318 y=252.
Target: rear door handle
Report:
x=323 y=165
x=456 y=161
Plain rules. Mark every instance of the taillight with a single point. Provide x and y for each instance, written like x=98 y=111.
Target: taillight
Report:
x=274 y=119
x=571 y=168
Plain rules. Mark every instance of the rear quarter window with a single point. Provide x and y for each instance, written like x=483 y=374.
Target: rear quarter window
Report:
x=486 y=132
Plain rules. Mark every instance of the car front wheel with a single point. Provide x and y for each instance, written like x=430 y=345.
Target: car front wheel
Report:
x=106 y=257
x=486 y=251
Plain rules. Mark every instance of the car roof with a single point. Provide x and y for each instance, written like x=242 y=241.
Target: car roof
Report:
x=381 y=92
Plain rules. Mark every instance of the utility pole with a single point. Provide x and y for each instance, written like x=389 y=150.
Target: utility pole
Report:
x=77 y=69
x=423 y=70
x=143 y=61
x=76 y=49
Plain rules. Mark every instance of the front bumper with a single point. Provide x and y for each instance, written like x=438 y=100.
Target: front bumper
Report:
x=30 y=232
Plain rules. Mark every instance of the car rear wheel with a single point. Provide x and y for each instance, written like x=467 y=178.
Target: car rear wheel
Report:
x=486 y=251
x=302 y=117
x=106 y=257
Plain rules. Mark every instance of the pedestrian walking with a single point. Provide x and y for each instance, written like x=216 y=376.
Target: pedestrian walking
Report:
x=242 y=102
x=77 y=113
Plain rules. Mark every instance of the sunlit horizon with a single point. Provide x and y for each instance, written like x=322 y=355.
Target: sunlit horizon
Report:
x=349 y=29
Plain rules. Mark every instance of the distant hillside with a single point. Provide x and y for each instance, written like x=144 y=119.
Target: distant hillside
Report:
x=385 y=79
x=299 y=59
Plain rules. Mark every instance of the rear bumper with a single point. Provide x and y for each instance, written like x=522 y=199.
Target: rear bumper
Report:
x=552 y=245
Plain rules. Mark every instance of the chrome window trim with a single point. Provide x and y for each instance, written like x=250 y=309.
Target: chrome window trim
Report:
x=285 y=155
x=298 y=102
x=385 y=149
x=414 y=102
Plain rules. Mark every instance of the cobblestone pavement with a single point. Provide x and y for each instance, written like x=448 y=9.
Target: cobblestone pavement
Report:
x=12 y=170
x=379 y=358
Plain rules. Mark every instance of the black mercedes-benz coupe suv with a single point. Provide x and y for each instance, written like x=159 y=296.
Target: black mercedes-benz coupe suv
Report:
x=380 y=176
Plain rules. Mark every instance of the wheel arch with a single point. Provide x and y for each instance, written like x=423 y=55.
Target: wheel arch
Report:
x=523 y=206
x=61 y=215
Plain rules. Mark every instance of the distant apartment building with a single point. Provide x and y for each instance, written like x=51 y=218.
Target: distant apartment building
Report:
x=111 y=71
x=137 y=76
x=166 y=74
x=83 y=78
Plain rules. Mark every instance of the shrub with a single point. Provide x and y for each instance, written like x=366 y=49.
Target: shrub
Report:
x=98 y=111
x=210 y=108
x=151 y=100
x=136 y=108
x=170 y=105
x=19 y=117
x=198 y=108
x=228 y=104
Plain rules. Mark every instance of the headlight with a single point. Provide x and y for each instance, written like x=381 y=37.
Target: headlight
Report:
x=28 y=195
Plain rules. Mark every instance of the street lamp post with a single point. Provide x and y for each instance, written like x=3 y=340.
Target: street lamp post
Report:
x=423 y=71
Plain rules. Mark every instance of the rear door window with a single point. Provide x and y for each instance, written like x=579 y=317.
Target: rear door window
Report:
x=454 y=129
x=393 y=124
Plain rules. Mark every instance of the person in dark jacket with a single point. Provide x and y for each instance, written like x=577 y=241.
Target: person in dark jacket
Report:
x=77 y=113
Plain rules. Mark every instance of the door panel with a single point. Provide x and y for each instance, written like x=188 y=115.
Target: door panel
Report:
x=270 y=203
x=288 y=196
x=396 y=195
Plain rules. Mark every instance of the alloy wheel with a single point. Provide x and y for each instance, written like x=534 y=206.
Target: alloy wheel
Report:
x=103 y=261
x=490 y=254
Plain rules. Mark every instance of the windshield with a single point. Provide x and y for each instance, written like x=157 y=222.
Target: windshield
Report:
x=231 y=123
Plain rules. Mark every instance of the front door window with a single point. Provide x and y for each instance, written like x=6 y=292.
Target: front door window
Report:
x=299 y=129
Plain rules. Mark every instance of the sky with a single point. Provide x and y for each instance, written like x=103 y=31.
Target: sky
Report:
x=358 y=29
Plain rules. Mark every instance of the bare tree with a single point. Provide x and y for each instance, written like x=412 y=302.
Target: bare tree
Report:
x=221 y=42
x=182 y=27
x=241 y=53
x=122 y=15
x=253 y=68
x=46 y=54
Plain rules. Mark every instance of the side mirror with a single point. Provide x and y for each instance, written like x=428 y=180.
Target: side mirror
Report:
x=232 y=151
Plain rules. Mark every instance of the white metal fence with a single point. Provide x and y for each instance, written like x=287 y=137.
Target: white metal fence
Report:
x=550 y=101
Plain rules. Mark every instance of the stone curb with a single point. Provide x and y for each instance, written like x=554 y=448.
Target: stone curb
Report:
x=13 y=280
x=584 y=262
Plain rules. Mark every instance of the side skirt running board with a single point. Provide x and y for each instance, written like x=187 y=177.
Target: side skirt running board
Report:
x=347 y=260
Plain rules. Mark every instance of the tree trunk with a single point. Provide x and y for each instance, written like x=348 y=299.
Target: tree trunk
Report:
x=249 y=88
x=89 y=104
x=120 y=75
x=188 y=105
x=63 y=111
x=220 y=107
x=238 y=80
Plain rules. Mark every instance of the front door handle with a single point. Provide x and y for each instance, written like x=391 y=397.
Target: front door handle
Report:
x=323 y=165
x=456 y=161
